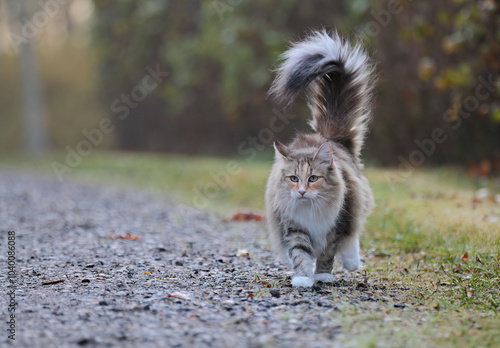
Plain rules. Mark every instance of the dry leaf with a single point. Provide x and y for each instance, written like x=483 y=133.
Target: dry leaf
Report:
x=247 y=216
x=266 y=284
x=470 y=293
x=465 y=256
x=127 y=236
x=180 y=295
x=146 y=272
x=242 y=253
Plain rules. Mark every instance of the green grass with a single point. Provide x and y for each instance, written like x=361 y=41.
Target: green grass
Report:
x=428 y=239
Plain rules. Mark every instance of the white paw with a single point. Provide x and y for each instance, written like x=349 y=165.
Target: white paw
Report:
x=349 y=253
x=300 y=281
x=350 y=263
x=324 y=277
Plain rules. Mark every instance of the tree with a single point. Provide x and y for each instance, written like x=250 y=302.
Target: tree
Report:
x=35 y=134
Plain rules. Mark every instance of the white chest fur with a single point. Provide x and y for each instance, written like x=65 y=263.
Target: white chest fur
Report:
x=318 y=221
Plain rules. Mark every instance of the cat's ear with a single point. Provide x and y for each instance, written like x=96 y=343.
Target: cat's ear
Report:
x=324 y=154
x=281 y=150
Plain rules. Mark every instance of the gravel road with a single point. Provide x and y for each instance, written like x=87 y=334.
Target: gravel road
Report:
x=182 y=283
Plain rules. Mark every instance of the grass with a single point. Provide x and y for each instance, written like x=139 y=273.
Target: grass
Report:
x=203 y=182
x=433 y=239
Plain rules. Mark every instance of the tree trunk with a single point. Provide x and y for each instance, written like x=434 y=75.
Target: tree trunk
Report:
x=35 y=133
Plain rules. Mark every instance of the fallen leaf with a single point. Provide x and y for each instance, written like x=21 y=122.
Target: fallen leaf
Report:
x=179 y=295
x=127 y=236
x=50 y=282
x=242 y=253
x=465 y=256
x=247 y=216
x=146 y=272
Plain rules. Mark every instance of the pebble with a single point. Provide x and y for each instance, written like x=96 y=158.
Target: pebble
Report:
x=68 y=223
x=275 y=293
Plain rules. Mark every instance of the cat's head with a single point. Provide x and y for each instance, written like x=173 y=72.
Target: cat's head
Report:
x=308 y=174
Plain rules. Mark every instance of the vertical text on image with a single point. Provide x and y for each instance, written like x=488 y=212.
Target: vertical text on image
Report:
x=11 y=283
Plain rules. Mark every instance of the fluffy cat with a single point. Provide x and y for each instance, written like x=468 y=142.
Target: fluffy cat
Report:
x=317 y=199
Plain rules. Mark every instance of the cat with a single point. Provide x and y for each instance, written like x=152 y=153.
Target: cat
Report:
x=317 y=199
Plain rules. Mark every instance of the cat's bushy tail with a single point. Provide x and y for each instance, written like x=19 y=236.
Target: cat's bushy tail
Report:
x=340 y=82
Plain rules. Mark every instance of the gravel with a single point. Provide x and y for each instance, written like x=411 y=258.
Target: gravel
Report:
x=180 y=284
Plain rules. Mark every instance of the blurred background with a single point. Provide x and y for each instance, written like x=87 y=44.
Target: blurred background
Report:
x=191 y=77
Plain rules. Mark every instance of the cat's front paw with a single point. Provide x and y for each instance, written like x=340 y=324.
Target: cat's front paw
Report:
x=324 y=277
x=351 y=263
x=301 y=281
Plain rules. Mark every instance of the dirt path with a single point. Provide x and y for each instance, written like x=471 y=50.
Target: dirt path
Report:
x=180 y=284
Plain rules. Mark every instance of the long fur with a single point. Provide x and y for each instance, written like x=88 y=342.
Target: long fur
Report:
x=339 y=78
x=309 y=231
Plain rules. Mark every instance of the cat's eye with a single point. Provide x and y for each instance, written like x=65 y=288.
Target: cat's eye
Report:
x=293 y=178
x=313 y=178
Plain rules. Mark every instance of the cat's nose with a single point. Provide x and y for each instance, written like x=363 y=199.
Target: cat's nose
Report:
x=302 y=192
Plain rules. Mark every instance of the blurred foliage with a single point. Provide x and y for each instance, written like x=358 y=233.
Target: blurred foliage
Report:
x=70 y=80
x=68 y=76
x=434 y=57
x=440 y=66
x=11 y=130
x=219 y=55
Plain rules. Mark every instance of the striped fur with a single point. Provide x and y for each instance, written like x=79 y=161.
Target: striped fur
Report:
x=339 y=78
x=317 y=199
